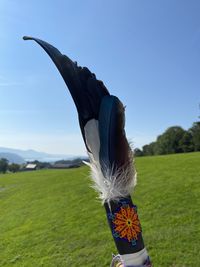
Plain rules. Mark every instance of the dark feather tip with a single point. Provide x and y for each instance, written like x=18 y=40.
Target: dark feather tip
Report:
x=27 y=38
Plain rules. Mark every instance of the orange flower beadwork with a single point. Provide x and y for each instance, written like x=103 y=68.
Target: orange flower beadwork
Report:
x=126 y=223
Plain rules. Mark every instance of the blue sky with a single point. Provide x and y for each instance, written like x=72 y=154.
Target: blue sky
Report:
x=146 y=52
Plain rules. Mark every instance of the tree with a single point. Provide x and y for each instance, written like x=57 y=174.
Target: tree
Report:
x=3 y=165
x=169 y=141
x=138 y=152
x=186 y=142
x=13 y=167
x=195 y=132
x=149 y=150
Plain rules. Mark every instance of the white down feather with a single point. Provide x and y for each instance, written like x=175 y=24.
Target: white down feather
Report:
x=114 y=184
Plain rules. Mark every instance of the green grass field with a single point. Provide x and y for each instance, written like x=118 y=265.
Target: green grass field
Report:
x=52 y=218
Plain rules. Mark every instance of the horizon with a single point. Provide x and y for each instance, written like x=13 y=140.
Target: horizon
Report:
x=146 y=53
x=85 y=154
x=38 y=151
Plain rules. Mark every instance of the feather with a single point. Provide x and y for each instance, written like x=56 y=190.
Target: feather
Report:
x=112 y=183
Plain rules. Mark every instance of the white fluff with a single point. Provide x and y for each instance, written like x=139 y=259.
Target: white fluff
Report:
x=113 y=184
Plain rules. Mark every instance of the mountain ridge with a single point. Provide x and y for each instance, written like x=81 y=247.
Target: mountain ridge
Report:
x=12 y=157
x=31 y=154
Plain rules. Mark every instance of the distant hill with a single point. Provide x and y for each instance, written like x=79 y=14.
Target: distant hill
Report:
x=31 y=155
x=12 y=157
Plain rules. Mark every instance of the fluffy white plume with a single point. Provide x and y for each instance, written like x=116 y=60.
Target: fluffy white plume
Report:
x=113 y=184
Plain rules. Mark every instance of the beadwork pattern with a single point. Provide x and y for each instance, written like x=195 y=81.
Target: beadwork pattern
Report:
x=125 y=223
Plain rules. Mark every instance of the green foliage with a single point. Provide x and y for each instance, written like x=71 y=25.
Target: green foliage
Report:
x=149 y=150
x=51 y=218
x=138 y=152
x=13 y=167
x=186 y=142
x=195 y=131
x=174 y=140
x=76 y=161
x=3 y=165
x=169 y=141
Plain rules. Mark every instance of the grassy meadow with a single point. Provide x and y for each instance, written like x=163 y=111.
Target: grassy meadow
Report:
x=52 y=218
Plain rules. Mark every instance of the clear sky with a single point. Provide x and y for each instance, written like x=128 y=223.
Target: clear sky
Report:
x=146 y=52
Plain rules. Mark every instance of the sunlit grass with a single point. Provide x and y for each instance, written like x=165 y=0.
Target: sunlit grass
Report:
x=52 y=218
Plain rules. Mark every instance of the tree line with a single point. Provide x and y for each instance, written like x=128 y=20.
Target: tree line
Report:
x=13 y=167
x=174 y=140
x=5 y=166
